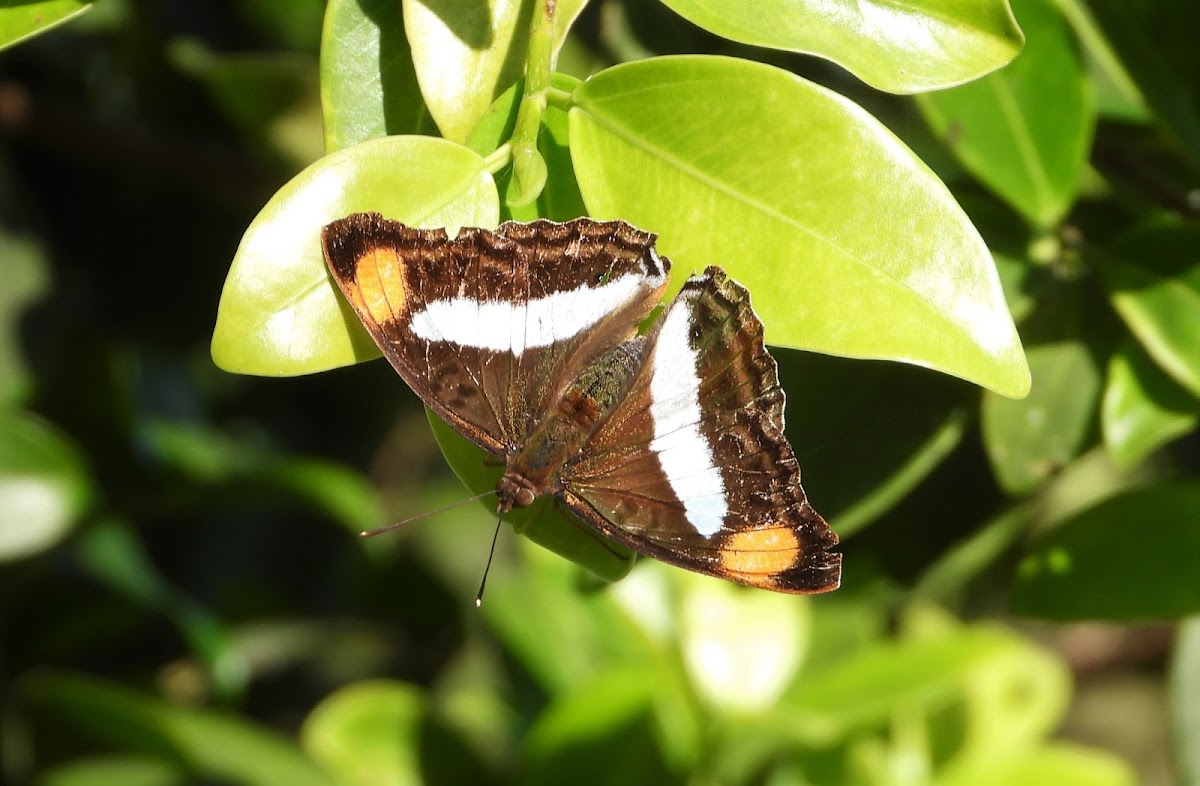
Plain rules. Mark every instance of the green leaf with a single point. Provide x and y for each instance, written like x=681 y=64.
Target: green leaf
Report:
x=1154 y=284
x=1051 y=765
x=850 y=245
x=543 y=522
x=23 y=270
x=741 y=649
x=280 y=313
x=1136 y=554
x=897 y=47
x=560 y=199
x=114 y=771
x=1156 y=44
x=1024 y=131
x=1143 y=408
x=22 y=20
x=1184 y=687
x=1029 y=440
x=368 y=734
x=44 y=486
x=467 y=53
x=368 y=83
x=271 y=98
x=213 y=745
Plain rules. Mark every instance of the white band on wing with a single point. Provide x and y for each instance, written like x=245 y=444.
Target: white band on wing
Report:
x=514 y=327
x=683 y=451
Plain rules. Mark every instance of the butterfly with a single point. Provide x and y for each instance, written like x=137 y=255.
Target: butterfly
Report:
x=525 y=340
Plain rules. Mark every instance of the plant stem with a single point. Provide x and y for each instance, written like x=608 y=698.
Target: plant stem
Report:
x=527 y=163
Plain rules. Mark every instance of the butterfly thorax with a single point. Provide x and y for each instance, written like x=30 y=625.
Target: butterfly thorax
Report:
x=558 y=438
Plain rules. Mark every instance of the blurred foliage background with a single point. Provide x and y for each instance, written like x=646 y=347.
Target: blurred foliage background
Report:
x=183 y=598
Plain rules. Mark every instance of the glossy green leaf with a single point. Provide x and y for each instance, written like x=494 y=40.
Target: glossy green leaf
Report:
x=44 y=486
x=115 y=771
x=468 y=52
x=559 y=200
x=271 y=98
x=867 y=433
x=1154 y=284
x=22 y=20
x=280 y=313
x=368 y=734
x=1143 y=408
x=210 y=744
x=368 y=83
x=23 y=270
x=1133 y=555
x=849 y=244
x=1024 y=131
x=1050 y=765
x=897 y=47
x=1117 y=96
x=1184 y=687
x=1155 y=41
x=1029 y=440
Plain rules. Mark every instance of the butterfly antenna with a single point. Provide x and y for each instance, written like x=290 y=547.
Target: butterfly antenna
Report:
x=488 y=567
x=370 y=533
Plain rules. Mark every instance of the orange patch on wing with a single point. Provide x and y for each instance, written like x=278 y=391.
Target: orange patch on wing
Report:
x=379 y=285
x=761 y=551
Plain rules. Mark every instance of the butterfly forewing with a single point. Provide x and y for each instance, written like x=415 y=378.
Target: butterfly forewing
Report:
x=693 y=467
x=489 y=327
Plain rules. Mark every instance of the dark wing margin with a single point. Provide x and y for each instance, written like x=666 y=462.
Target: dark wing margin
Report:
x=693 y=468
x=489 y=326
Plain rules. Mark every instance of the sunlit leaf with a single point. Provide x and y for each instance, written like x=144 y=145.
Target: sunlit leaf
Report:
x=1026 y=130
x=467 y=53
x=1143 y=408
x=280 y=313
x=898 y=47
x=44 y=485
x=368 y=734
x=1154 y=284
x=848 y=243
x=741 y=648
x=1132 y=555
x=368 y=84
x=22 y=20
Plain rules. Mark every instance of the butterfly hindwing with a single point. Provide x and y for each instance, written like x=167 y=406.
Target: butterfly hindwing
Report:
x=693 y=467
x=488 y=327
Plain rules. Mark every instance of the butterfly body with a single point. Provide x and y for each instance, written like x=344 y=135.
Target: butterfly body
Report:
x=525 y=340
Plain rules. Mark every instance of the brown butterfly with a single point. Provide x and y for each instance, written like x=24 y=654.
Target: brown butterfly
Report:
x=525 y=340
